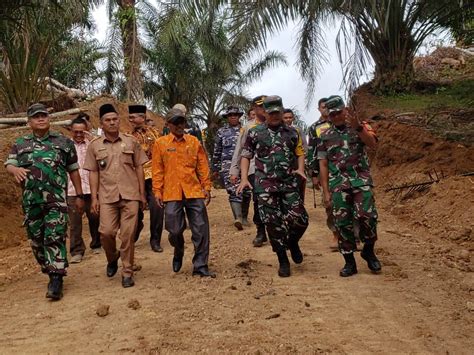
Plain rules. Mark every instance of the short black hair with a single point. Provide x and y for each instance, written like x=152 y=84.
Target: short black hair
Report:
x=288 y=110
x=250 y=110
x=324 y=99
x=79 y=120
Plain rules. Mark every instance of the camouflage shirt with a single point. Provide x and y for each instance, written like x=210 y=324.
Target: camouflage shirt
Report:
x=48 y=160
x=348 y=162
x=315 y=131
x=146 y=136
x=226 y=139
x=276 y=152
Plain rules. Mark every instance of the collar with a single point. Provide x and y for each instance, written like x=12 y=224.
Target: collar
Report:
x=175 y=139
x=119 y=138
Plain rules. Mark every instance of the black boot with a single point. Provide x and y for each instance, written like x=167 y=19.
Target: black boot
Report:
x=368 y=255
x=55 y=287
x=295 y=251
x=284 y=270
x=246 y=198
x=350 y=268
x=237 y=212
x=261 y=236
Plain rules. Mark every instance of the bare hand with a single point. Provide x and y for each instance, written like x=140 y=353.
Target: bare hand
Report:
x=159 y=202
x=234 y=179
x=95 y=206
x=20 y=174
x=243 y=184
x=352 y=120
x=300 y=173
x=327 y=200
x=215 y=175
x=79 y=205
x=316 y=183
x=143 y=203
x=207 y=194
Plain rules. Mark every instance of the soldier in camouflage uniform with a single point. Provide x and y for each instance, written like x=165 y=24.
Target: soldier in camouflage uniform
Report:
x=347 y=184
x=224 y=146
x=279 y=169
x=314 y=133
x=40 y=162
x=147 y=136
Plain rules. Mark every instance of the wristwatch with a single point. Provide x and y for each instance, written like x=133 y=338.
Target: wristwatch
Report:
x=81 y=196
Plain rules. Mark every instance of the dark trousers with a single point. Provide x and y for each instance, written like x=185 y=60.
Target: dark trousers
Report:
x=156 y=215
x=256 y=215
x=77 y=245
x=175 y=224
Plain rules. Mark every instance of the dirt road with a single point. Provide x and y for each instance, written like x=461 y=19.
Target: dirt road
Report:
x=416 y=305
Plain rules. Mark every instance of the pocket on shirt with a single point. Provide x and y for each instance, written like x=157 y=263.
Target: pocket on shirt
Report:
x=127 y=157
x=102 y=160
x=25 y=156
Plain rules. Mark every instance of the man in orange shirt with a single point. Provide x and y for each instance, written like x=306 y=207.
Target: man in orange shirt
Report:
x=181 y=182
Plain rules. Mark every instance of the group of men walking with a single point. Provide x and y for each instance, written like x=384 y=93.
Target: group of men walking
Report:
x=114 y=177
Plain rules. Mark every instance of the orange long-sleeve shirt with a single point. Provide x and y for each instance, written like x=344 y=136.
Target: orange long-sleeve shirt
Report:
x=180 y=168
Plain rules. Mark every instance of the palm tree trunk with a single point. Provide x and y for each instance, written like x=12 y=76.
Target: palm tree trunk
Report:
x=131 y=50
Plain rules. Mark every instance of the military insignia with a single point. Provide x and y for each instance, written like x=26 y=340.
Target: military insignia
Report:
x=171 y=150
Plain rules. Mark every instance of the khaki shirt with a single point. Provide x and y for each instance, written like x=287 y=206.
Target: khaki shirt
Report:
x=116 y=163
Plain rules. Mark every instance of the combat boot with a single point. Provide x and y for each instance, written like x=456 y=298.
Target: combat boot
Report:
x=261 y=236
x=284 y=269
x=245 y=209
x=350 y=268
x=368 y=255
x=55 y=287
x=237 y=212
x=295 y=251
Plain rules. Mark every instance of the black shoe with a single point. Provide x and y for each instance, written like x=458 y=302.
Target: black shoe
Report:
x=127 y=282
x=55 y=287
x=112 y=267
x=260 y=238
x=296 y=253
x=156 y=247
x=284 y=269
x=177 y=262
x=368 y=255
x=350 y=267
x=204 y=272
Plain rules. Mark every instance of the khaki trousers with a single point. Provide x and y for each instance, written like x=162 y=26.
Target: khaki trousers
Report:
x=114 y=216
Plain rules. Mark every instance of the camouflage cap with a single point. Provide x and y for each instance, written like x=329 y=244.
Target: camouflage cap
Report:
x=273 y=104
x=174 y=116
x=334 y=103
x=258 y=100
x=232 y=110
x=35 y=109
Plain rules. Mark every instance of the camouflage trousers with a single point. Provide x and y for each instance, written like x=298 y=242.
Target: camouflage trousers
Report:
x=229 y=186
x=284 y=216
x=354 y=206
x=46 y=227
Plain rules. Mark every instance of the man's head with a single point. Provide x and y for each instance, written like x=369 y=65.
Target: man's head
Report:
x=38 y=118
x=273 y=106
x=322 y=108
x=176 y=122
x=288 y=117
x=109 y=119
x=78 y=129
x=182 y=108
x=137 y=115
x=251 y=114
x=257 y=107
x=233 y=114
x=336 y=109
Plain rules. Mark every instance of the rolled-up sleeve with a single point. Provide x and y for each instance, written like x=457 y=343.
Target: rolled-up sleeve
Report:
x=12 y=156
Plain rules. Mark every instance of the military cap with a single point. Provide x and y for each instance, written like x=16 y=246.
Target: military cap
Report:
x=106 y=108
x=334 y=103
x=258 y=100
x=175 y=116
x=35 y=109
x=232 y=110
x=136 y=109
x=273 y=104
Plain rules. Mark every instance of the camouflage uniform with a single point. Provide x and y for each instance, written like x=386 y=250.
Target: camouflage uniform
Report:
x=312 y=162
x=280 y=206
x=350 y=184
x=48 y=159
x=224 y=147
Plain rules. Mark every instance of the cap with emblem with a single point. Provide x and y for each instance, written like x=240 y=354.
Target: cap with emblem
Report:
x=258 y=100
x=273 y=104
x=136 y=109
x=175 y=116
x=232 y=110
x=334 y=103
x=35 y=109
x=106 y=108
